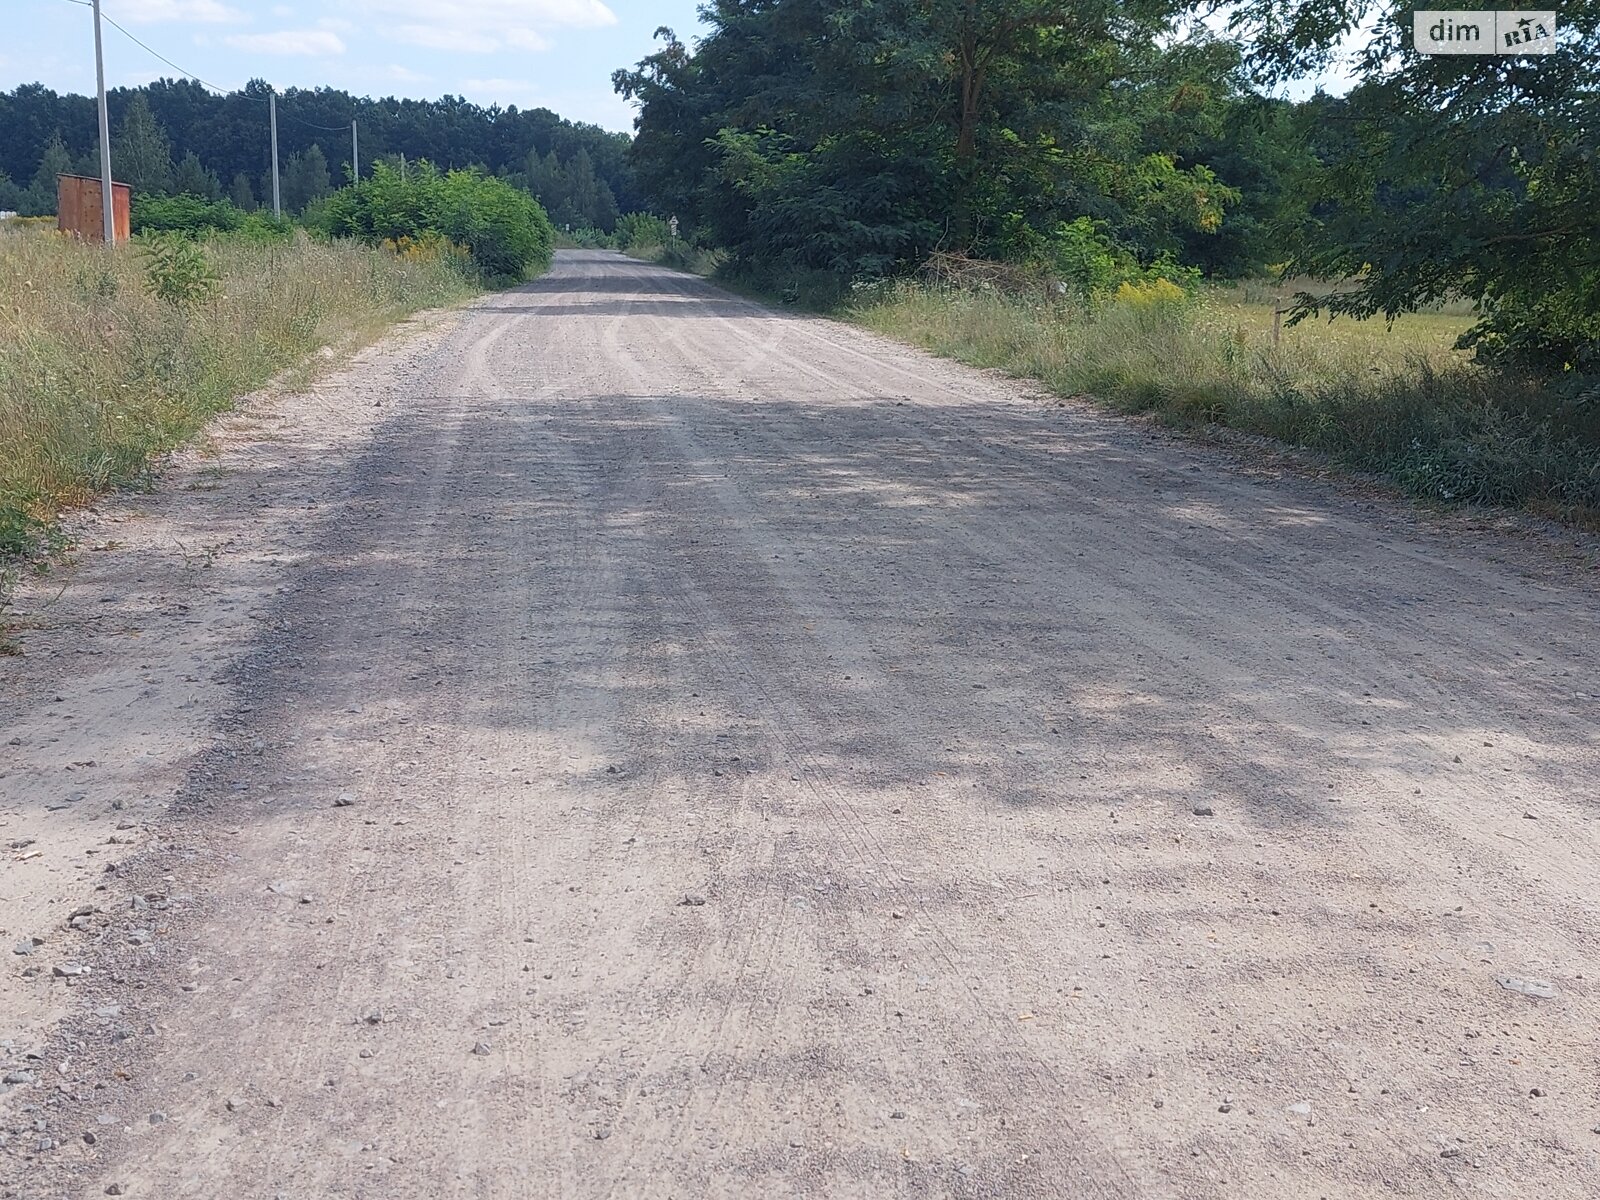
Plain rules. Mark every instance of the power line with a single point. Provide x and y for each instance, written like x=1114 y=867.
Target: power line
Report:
x=204 y=82
x=271 y=101
x=309 y=125
x=156 y=53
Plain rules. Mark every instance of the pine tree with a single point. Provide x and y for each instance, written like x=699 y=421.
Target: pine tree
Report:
x=141 y=153
x=588 y=198
x=542 y=177
x=305 y=179
x=242 y=195
x=318 y=179
x=193 y=179
x=39 y=199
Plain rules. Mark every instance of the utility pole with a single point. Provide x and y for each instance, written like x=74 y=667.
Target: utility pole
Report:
x=277 y=195
x=355 y=154
x=108 y=193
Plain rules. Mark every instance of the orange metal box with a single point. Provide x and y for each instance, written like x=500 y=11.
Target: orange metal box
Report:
x=78 y=209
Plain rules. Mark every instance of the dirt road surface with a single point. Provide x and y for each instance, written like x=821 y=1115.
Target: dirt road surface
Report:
x=617 y=740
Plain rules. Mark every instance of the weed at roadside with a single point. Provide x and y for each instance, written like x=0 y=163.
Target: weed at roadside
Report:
x=1398 y=401
x=109 y=358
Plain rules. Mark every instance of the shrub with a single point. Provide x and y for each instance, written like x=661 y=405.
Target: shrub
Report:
x=1084 y=257
x=264 y=227
x=504 y=229
x=1150 y=293
x=176 y=270
x=429 y=248
x=641 y=229
x=184 y=214
x=194 y=217
x=586 y=238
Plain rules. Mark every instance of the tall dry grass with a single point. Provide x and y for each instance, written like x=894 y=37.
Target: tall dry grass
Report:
x=98 y=378
x=1397 y=400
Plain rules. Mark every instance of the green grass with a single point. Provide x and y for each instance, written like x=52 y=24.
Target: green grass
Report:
x=680 y=256
x=98 y=378
x=1397 y=400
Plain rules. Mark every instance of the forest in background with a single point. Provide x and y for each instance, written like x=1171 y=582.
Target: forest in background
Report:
x=176 y=137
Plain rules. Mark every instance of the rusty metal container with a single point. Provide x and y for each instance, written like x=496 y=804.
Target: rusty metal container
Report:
x=78 y=209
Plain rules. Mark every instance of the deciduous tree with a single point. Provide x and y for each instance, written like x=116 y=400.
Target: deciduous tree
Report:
x=856 y=137
x=141 y=153
x=1453 y=176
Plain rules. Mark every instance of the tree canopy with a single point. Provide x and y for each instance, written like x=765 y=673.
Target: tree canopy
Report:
x=1451 y=176
x=859 y=137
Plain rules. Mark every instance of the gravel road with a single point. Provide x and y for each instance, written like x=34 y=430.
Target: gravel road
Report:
x=618 y=740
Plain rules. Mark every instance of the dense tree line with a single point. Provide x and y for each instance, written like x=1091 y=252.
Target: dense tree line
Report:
x=1103 y=136
x=859 y=137
x=176 y=136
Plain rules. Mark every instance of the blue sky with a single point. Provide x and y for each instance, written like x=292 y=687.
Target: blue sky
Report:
x=558 y=54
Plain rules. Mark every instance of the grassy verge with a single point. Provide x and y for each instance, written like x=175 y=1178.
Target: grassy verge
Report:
x=98 y=377
x=680 y=256
x=1393 y=400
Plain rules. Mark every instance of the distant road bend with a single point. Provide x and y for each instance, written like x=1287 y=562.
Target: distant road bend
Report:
x=623 y=741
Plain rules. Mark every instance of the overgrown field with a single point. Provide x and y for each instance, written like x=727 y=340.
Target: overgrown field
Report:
x=98 y=375
x=1395 y=400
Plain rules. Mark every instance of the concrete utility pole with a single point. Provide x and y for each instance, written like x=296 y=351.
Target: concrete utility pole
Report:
x=277 y=195
x=355 y=154
x=108 y=194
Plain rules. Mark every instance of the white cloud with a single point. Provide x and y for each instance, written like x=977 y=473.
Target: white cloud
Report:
x=467 y=41
x=337 y=24
x=500 y=87
x=406 y=74
x=526 y=39
x=484 y=26
x=311 y=42
x=150 y=12
x=462 y=41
